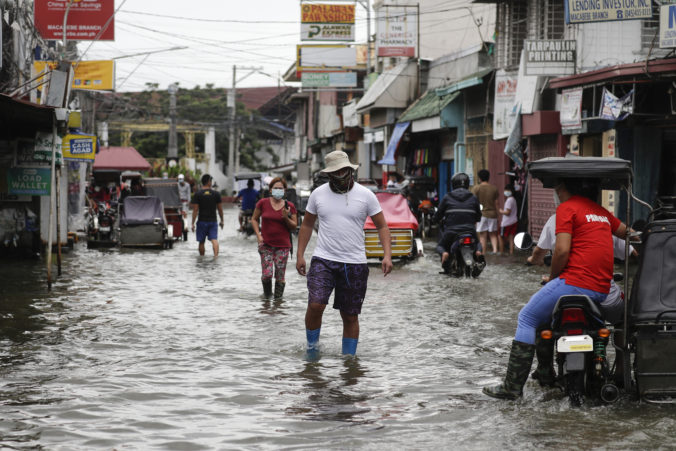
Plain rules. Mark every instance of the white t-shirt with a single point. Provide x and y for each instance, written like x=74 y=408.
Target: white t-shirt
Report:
x=341 y=222
x=507 y=220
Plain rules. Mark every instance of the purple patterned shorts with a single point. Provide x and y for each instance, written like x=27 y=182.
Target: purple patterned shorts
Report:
x=349 y=280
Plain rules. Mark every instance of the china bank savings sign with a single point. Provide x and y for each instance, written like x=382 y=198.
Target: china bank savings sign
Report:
x=581 y=11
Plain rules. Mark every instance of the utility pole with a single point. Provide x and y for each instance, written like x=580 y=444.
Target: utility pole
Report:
x=172 y=152
x=367 y=5
x=233 y=148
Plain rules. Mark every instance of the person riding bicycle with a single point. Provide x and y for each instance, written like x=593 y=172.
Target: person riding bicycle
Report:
x=249 y=197
x=460 y=211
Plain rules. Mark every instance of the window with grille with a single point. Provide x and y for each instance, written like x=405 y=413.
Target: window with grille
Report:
x=546 y=19
x=512 y=28
x=526 y=19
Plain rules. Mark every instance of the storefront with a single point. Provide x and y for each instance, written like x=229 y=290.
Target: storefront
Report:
x=25 y=177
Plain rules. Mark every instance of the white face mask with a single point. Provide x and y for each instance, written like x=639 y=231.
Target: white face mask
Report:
x=508 y=193
x=277 y=193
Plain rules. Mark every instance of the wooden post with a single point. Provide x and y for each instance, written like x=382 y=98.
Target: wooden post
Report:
x=52 y=199
x=57 y=175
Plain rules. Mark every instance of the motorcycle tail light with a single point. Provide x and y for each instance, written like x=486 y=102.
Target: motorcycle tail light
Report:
x=467 y=240
x=604 y=333
x=546 y=334
x=574 y=331
x=573 y=315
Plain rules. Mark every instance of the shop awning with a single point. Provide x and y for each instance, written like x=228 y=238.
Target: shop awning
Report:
x=392 y=89
x=639 y=70
x=121 y=159
x=397 y=134
x=19 y=118
x=467 y=82
x=429 y=105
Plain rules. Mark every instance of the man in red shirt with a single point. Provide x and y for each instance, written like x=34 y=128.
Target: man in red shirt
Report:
x=582 y=264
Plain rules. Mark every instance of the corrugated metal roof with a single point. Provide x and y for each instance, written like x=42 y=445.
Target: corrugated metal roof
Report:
x=429 y=105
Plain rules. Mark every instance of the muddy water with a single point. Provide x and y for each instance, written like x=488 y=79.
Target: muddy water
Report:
x=163 y=349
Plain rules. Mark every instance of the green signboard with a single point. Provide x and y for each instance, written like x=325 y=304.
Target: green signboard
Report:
x=30 y=181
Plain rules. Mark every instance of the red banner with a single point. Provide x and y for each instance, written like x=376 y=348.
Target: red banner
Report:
x=85 y=19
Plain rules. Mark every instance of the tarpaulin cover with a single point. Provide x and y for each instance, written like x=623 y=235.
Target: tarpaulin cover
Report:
x=142 y=210
x=165 y=189
x=396 y=212
x=397 y=134
x=654 y=289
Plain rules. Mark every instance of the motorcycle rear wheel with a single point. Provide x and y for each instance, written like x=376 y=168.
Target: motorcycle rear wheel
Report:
x=575 y=387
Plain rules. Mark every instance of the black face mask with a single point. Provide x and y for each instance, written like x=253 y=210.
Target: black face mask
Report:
x=341 y=184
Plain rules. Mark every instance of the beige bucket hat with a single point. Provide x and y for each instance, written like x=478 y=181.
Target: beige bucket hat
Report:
x=337 y=160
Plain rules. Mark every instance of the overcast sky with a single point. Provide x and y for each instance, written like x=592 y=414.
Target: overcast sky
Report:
x=217 y=33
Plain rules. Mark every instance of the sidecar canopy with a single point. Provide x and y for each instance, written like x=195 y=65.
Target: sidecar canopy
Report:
x=612 y=173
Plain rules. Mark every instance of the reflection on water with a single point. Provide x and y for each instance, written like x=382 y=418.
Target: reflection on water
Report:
x=330 y=398
x=164 y=349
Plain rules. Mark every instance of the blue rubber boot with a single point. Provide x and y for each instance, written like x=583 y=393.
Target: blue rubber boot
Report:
x=350 y=345
x=312 y=343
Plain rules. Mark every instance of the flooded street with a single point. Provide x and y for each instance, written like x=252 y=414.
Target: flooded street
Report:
x=163 y=349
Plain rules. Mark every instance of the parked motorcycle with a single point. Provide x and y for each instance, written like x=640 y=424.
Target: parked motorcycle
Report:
x=101 y=225
x=463 y=261
x=426 y=212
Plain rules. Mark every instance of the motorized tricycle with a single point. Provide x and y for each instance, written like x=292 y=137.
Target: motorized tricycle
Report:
x=645 y=340
x=167 y=191
x=402 y=224
x=101 y=219
x=241 y=181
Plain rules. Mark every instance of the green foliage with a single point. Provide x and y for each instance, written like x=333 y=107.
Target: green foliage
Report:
x=207 y=104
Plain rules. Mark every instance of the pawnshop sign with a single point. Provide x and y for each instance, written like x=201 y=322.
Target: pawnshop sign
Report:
x=582 y=11
x=85 y=20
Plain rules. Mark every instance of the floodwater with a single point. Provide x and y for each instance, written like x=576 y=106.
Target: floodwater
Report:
x=163 y=349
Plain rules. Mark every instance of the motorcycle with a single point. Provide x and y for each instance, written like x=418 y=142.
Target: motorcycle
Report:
x=426 y=212
x=580 y=336
x=101 y=227
x=463 y=261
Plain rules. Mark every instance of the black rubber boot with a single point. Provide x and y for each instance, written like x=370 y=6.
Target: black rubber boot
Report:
x=544 y=373
x=267 y=288
x=518 y=367
x=279 y=289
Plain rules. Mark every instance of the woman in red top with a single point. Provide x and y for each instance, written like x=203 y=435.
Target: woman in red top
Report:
x=278 y=218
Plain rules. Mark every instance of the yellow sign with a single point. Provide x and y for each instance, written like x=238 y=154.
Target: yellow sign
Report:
x=323 y=13
x=89 y=75
x=79 y=147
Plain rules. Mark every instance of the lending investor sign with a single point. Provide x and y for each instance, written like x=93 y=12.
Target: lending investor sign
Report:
x=550 y=57
x=581 y=11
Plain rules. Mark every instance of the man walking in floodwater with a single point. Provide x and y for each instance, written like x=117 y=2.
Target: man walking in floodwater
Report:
x=204 y=203
x=339 y=259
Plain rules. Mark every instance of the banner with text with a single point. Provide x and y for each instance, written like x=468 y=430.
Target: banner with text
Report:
x=582 y=11
x=88 y=75
x=397 y=31
x=84 y=22
x=667 y=26
x=329 y=79
x=78 y=147
x=503 y=107
x=550 y=57
x=571 y=108
x=326 y=22
x=29 y=181
x=317 y=57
